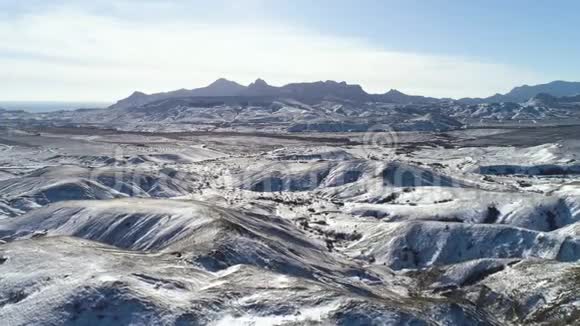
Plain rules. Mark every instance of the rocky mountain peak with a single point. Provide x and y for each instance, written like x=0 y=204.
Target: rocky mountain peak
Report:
x=259 y=83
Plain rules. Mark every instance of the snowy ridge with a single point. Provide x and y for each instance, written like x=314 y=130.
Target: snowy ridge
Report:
x=83 y=282
x=421 y=244
x=213 y=237
x=106 y=227
x=54 y=184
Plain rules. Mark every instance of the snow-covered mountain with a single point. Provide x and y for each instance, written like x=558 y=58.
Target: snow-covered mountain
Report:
x=329 y=113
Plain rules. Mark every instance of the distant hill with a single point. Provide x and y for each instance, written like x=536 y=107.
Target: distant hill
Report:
x=48 y=106
x=394 y=96
x=220 y=87
x=524 y=93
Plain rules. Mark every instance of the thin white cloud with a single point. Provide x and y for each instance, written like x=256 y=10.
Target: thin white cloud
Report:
x=70 y=55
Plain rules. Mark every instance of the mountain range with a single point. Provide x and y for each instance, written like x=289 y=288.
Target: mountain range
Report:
x=324 y=106
x=305 y=92
x=523 y=93
x=316 y=91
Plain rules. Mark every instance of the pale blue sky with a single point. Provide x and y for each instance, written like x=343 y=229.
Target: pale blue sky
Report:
x=103 y=49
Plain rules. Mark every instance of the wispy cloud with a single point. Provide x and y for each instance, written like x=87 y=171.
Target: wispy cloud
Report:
x=78 y=55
